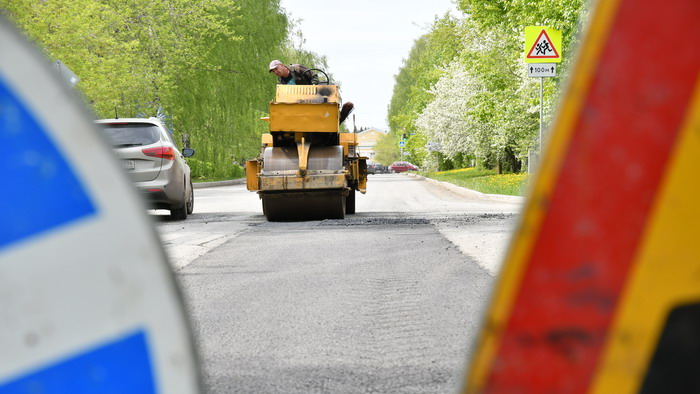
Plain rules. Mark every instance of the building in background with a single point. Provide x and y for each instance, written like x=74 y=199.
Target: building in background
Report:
x=366 y=140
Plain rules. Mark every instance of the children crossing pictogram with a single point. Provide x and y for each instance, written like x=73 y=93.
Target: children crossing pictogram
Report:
x=543 y=48
x=542 y=45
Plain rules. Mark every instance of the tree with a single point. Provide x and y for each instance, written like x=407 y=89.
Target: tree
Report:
x=201 y=66
x=419 y=72
x=480 y=102
x=386 y=149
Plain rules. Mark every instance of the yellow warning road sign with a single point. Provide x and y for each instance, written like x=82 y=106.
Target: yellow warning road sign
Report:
x=542 y=45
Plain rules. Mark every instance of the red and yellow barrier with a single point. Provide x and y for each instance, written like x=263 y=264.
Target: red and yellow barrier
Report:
x=609 y=242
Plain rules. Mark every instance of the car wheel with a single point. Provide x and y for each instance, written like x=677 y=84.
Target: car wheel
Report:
x=190 y=201
x=180 y=213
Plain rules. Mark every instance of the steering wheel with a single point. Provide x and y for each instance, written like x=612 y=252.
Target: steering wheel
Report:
x=326 y=82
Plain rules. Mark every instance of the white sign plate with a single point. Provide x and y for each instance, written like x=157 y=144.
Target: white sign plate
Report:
x=542 y=69
x=89 y=303
x=434 y=146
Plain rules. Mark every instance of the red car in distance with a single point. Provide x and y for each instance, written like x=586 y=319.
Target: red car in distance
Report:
x=402 y=166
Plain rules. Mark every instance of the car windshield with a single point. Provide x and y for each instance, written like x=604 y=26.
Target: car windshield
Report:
x=131 y=134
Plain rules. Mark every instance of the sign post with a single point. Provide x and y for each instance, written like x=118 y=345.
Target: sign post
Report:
x=542 y=51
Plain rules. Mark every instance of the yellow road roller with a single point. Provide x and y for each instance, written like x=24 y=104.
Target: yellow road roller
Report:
x=307 y=168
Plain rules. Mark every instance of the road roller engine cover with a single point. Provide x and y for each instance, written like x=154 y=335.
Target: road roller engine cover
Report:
x=307 y=169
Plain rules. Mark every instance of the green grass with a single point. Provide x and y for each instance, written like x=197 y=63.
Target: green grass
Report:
x=484 y=181
x=212 y=179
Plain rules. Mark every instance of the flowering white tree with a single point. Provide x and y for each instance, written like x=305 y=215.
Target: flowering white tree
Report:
x=481 y=105
x=445 y=120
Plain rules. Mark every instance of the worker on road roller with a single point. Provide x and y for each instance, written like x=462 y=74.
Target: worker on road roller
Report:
x=296 y=74
x=307 y=168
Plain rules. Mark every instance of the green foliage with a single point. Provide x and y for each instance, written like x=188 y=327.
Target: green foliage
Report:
x=219 y=106
x=484 y=181
x=387 y=149
x=472 y=94
x=438 y=161
x=420 y=71
x=513 y=15
x=200 y=65
x=202 y=171
x=127 y=53
x=415 y=148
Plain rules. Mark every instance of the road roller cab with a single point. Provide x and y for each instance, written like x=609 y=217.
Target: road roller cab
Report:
x=307 y=168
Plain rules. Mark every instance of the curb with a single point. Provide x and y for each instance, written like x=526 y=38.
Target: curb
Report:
x=202 y=185
x=471 y=193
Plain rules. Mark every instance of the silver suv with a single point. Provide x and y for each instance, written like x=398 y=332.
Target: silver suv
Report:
x=153 y=162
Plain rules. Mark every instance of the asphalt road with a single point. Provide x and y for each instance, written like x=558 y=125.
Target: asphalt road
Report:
x=387 y=300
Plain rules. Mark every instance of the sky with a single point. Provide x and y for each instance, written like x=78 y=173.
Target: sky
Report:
x=365 y=43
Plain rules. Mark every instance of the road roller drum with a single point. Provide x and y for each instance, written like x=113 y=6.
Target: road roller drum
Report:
x=281 y=160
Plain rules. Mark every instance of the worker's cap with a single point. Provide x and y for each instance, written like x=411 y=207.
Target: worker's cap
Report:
x=274 y=64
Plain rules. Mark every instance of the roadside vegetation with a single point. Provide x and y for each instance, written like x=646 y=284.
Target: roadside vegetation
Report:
x=464 y=91
x=201 y=66
x=483 y=180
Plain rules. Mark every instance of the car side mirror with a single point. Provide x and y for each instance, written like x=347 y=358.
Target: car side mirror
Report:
x=188 y=152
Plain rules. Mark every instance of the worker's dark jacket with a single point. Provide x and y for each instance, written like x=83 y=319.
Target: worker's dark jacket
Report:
x=296 y=71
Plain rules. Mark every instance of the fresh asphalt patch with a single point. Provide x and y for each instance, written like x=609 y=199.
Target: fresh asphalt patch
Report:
x=365 y=304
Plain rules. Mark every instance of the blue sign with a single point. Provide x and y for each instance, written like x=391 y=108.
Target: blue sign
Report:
x=119 y=367
x=41 y=190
